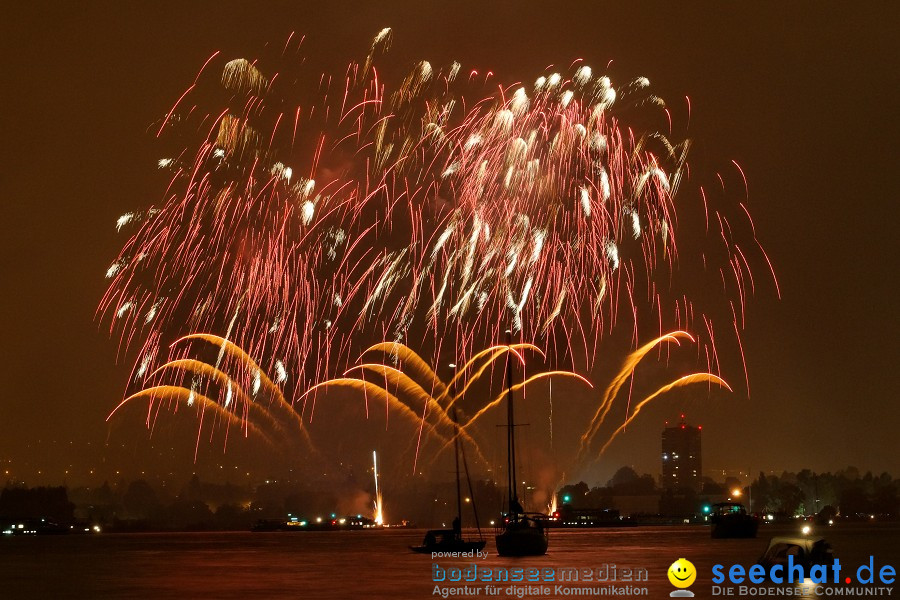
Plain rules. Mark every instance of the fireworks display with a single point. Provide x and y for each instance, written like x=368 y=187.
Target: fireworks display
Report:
x=309 y=215
x=379 y=501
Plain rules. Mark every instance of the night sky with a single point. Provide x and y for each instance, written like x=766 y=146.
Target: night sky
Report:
x=803 y=97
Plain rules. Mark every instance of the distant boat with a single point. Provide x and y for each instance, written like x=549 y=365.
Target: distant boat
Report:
x=730 y=520
x=569 y=517
x=335 y=523
x=37 y=526
x=452 y=540
x=524 y=534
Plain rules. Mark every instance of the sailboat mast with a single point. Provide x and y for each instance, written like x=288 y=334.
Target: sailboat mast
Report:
x=456 y=456
x=510 y=436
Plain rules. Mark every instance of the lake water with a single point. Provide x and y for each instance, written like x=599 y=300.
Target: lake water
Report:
x=367 y=564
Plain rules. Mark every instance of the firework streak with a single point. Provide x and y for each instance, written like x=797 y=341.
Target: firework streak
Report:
x=310 y=214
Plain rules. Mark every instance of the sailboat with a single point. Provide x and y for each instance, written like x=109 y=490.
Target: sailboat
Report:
x=524 y=534
x=452 y=540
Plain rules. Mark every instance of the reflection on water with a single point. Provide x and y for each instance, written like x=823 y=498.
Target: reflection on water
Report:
x=357 y=564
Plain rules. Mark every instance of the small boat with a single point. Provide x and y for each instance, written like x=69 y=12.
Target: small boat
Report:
x=730 y=520
x=452 y=540
x=523 y=534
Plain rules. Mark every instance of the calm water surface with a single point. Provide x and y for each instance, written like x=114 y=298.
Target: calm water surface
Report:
x=362 y=564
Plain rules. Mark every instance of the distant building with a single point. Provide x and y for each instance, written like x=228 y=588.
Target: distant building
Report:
x=682 y=465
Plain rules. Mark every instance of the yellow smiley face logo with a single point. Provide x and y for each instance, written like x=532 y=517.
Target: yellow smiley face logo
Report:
x=682 y=573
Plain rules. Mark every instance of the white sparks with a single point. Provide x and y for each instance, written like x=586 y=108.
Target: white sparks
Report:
x=604 y=185
x=114 y=269
x=503 y=120
x=519 y=102
x=601 y=293
x=482 y=300
x=337 y=237
x=379 y=508
x=280 y=372
x=539 y=236
x=151 y=314
x=442 y=240
x=425 y=70
x=124 y=220
x=517 y=149
x=434 y=131
x=257 y=382
x=598 y=143
x=279 y=170
x=583 y=75
x=308 y=211
x=228 y=394
x=145 y=364
x=473 y=243
x=383 y=35
x=513 y=257
x=525 y=292
x=612 y=253
x=586 y=200
x=517 y=307
x=566 y=98
x=609 y=97
x=510 y=301
x=123 y=309
x=394 y=271
x=635 y=224
x=164 y=162
x=554 y=80
x=454 y=71
x=662 y=177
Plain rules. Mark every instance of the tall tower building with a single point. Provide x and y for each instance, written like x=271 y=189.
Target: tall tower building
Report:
x=682 y=465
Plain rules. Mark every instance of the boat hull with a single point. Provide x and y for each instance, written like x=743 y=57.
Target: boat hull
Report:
x=531 y=541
